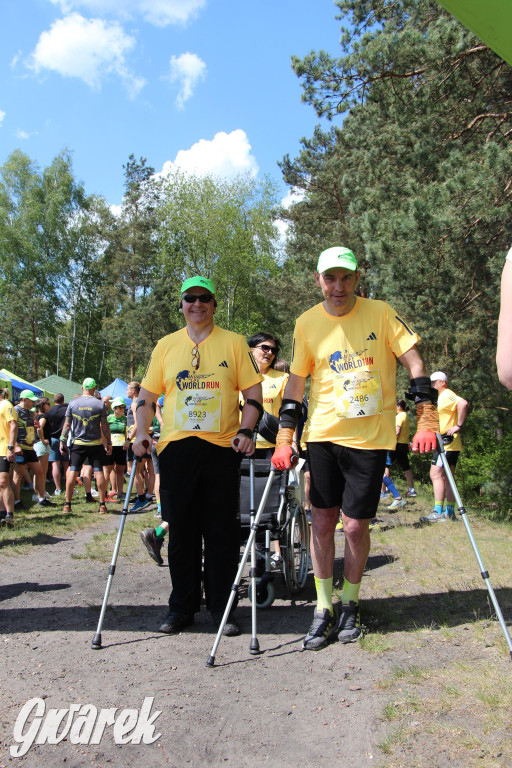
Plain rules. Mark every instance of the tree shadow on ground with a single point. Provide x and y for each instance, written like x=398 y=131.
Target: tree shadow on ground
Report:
x=9 y=591
x=287 y=615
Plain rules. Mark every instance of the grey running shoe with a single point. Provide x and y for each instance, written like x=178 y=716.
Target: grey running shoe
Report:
x=397 y=503
x=152 y=544
x=349 y=625
x=434 y=517
x=321 y=631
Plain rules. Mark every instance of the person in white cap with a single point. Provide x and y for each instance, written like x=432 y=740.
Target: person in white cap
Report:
x=201 y=369
x=453 y=411
x=349 y=346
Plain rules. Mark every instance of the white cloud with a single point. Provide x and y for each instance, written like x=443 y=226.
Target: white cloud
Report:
x=20 y=134
x=226 y=155
x=295 y=195
x=188 y=69
x=2 y=115
x=88 y=49
x=157 y=12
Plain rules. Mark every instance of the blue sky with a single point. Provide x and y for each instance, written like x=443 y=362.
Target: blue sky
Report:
x=204 y=84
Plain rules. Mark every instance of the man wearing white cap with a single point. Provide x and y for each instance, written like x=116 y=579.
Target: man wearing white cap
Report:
x=452 y=415
x=201 y=369
x=349 y=346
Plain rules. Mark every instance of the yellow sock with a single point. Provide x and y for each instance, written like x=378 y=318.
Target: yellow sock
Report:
x=324 y=595
x=350 y=592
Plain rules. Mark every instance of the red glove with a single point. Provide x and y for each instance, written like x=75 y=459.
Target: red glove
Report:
x=284 y=457
x=424 y=441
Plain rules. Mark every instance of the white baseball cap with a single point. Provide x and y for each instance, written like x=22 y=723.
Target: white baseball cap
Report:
x=438 y=376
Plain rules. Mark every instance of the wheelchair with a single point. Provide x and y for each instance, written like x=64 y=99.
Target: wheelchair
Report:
x=284 y=520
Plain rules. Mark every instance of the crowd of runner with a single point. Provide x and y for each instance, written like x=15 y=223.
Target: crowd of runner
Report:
x=193 y=417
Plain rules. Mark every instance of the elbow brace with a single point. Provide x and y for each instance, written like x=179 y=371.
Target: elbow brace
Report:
x=140 y=403
x=425 y=400
x=289 y=415
x=421 y=391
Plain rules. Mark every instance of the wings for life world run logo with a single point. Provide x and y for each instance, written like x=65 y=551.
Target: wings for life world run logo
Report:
x=341 y=362
x=187 y=380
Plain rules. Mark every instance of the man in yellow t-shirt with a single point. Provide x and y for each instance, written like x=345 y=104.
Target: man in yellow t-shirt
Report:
x=8 y=434
x=202 y=369
x=453 y=411
x=349 y=346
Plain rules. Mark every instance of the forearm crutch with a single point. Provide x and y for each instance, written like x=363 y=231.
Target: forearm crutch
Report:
x=250 y=547
x=484 y=573
x=96 y=641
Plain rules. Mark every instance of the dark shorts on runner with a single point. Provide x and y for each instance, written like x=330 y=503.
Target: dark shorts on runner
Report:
x=5 y=465
x=79 y=453
x=451 y=458
x=28 y=457
x=118 y=456
x=131 y=456
x=346 y=477
x=400 y=455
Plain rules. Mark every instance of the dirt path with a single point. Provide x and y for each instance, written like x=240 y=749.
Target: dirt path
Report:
x=285 y=707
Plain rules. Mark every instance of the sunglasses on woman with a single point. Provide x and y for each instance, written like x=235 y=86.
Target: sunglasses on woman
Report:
x=204 y=298
x=266 y=348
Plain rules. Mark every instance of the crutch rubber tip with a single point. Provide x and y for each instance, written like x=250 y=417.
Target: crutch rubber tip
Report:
x=211 y=662
x=254 y=647
x=96 y=642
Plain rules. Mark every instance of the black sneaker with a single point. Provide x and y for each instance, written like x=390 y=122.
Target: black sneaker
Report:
x=45 y=503
x=7 y=520
x=231 y=627
x=321 y=631
x=349 y=625
x=174 y=623
x=152 y=544
x=89 y=499
x=19 y=505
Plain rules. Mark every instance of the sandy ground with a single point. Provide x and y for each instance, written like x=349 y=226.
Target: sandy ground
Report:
x=284 y=707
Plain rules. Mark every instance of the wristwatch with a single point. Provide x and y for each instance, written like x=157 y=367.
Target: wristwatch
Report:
x=10 y=447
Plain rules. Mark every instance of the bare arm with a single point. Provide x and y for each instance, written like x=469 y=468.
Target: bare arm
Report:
x=250 y=415
x=64 y=435
x=504 y=348
x=462 y=412
x=413 y=363
x=13 y=434
x=295 y=387
x=105 y=429
x=143 y=419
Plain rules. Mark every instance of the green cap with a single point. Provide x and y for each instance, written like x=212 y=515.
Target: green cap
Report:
x=27 y=394
x=89 y=383
x=336 y=257
x=118 y=401
x=198 y=282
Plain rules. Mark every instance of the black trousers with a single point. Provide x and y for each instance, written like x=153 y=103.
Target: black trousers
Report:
x=200 y=498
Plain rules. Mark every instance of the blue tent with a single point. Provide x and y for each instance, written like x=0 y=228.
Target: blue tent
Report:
x=116 y=389
x=18 y=385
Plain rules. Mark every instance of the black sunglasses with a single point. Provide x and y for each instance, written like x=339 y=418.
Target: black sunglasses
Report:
x=266 y=348
x=204 y=298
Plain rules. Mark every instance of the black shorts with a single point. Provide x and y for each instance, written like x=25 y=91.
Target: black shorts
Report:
x=400 y=455
x=28 y=457
x=131 y=456
x=346 y=477
x=5 y=466
x=451 y=457
x=79 y=453
x=118 y=456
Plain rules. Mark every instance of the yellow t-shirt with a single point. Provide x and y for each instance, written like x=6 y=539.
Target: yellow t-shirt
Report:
x=202 y=403
x=273 y=386
x=447 y=408
x=7 y=414
x=402 y=421
x=352 y=362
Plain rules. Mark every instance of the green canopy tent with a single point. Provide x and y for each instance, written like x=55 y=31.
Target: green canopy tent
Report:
x=490 y=20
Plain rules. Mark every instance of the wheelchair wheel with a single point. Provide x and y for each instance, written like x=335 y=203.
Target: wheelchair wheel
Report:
x=265 y=593
x=296 y=551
